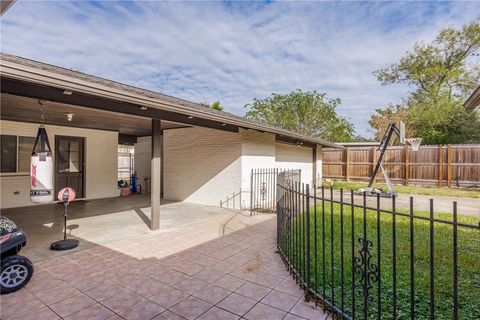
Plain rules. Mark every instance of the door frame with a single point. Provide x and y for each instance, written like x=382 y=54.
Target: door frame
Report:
x=84 y=165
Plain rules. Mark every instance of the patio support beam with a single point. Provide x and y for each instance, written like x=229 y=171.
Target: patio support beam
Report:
x=156 y=168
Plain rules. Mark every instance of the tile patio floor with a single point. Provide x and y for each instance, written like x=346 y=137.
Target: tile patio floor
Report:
x=223 y=267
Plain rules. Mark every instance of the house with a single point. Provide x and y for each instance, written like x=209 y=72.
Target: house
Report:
x=473 y=102
x=183 y=150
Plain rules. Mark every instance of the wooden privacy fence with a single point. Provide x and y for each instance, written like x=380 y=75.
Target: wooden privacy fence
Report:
x=439 y=165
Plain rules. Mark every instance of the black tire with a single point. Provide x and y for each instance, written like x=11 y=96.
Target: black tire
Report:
x=16 y=271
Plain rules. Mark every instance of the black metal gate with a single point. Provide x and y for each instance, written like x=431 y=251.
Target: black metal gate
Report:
x=263 y=188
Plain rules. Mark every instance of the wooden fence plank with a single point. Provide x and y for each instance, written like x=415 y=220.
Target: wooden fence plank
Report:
x=440 y=166
x=449 y=165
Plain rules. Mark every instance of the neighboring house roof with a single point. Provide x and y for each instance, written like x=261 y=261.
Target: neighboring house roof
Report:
x=25 y=69
x=474 y=100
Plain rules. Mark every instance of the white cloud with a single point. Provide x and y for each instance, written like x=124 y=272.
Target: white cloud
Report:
x=233 y=52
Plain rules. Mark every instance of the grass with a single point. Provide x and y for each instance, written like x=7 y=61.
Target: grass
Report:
x=468 y=261
x=420 y=190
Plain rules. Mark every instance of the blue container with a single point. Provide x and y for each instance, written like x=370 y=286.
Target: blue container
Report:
x=133 y=183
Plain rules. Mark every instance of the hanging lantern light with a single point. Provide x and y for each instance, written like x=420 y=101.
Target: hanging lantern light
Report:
x=41 y=167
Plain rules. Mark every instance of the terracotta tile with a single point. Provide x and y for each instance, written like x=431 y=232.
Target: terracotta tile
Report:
x=52 y=262
x=40 y=314
x=290 y=316
x=149 y=288
x=224 y=266
x=237 y=304
x=56 y=294
x=209 y=275
x=190 y=285
x=9 y=304
x=239 y=258
x=80 y=255
x=253 y=291
x=72 y=304
x=264 y=312
x=289 y=286
x=170 y=277
x=188 y=268
x=168 y=315
x=44 y=283
x=17 y=297
x=168 y=298
x=229 y=282
x=105 y=291
x=142 y=311
x=132 y=280
x=308 y=311
x=280 y=300
x=212 y=294
x=91 y=282
x=191 y=308
x=96 y=311
x=205 y=260
x=267 y=280
x=122 y=301
x=217 y=314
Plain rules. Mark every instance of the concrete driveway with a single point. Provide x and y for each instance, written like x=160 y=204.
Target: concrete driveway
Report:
x=221 y=267
x=465 y=206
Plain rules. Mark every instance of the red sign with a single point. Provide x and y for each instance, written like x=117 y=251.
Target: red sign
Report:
x=69 y=194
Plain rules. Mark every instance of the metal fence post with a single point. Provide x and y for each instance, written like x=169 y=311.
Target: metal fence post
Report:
x=307 y=276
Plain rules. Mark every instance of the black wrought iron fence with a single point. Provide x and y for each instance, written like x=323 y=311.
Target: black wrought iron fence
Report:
x=263 y=184
x=367 y=262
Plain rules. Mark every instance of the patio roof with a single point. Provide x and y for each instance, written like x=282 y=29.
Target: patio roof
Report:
x=474 y=100
x=27 y=77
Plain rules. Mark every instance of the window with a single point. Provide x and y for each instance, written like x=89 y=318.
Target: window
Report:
x=15 y=153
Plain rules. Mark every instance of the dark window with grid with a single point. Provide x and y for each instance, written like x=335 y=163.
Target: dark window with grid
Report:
x=15 y=153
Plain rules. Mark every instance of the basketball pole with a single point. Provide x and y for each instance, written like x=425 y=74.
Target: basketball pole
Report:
x=392 y=128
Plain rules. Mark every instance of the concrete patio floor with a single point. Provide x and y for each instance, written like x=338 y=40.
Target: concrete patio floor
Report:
x=221 y=267
x=101 y=221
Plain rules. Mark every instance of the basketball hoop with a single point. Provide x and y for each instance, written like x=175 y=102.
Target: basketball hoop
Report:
x=414 y=142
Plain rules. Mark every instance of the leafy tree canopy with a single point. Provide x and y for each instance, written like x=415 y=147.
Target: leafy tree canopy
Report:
x=442 y=74
x=215 y=105
x=310 y=113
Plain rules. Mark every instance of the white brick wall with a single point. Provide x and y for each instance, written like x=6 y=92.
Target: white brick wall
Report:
x=319 y=166
x=143 y=157
x=100 y=155
x=201 y=165
x=290 y=156
x=258 y=152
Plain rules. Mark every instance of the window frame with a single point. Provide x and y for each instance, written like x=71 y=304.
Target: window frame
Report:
x=17 y=173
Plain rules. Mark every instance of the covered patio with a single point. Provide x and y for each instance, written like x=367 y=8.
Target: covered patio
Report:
x=103 y=221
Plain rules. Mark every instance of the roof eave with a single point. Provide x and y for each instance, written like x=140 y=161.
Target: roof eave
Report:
x=474 y=99
x=21 y=72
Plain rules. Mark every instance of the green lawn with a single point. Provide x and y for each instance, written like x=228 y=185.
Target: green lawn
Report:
x=468 y=261
x=421 y=190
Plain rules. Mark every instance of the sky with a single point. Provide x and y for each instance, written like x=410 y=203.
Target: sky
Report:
x=234 y=51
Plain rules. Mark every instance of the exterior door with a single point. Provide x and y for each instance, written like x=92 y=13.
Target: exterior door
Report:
x=70 y=164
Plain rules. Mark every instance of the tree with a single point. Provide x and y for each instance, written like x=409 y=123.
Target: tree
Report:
x=383 y=117
x=442 y=75
x=215 y=105
x=310 y=113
